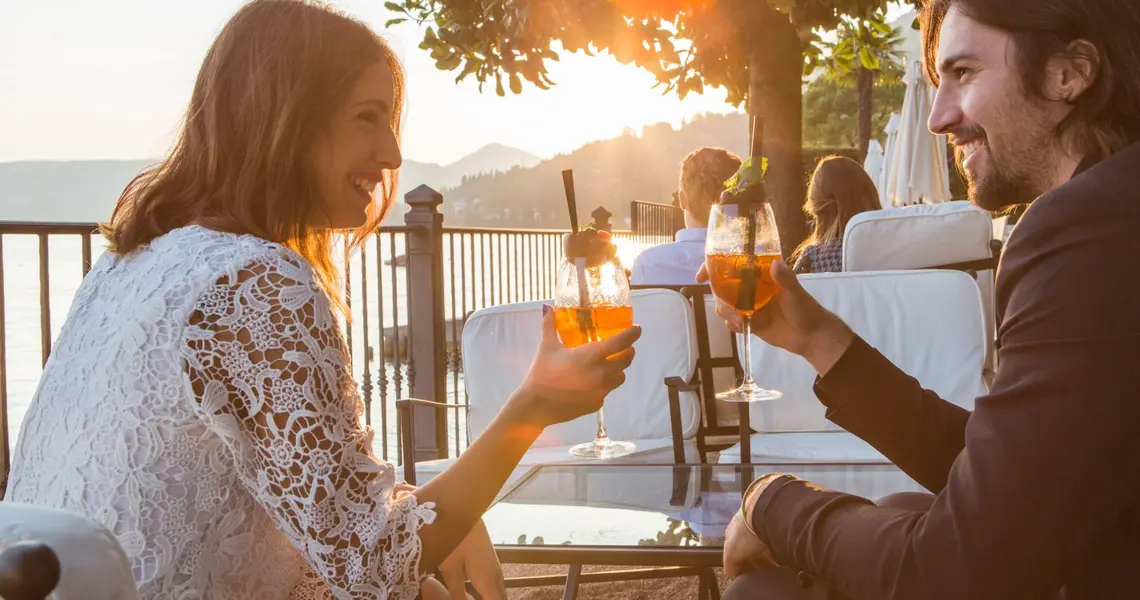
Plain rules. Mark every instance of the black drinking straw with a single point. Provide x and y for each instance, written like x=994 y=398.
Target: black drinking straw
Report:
x=568 y=185
x=749 y=201
x=585 y=323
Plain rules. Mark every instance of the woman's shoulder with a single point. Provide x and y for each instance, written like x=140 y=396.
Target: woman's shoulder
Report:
x=223 y=252
x=198 y=259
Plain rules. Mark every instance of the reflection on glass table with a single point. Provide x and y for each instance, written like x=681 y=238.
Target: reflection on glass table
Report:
x=618 y=513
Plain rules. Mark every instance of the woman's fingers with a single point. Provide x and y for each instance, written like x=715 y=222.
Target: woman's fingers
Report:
x=617 y=343
x=620 y=361
x=482 y=564
x=454 y=576
x=613 y=381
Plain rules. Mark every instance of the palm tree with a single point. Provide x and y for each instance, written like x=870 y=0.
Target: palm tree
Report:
x=865 y=53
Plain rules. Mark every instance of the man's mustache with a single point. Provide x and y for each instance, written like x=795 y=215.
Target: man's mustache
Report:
x=966 y=132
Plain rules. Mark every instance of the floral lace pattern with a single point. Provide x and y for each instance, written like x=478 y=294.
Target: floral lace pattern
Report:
x=198 y=403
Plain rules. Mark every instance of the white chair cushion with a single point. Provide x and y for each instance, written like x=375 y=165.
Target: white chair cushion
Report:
x=917 y=237
x=921 y=237
x=928 y=323
x=93 y=564
x=499 y=344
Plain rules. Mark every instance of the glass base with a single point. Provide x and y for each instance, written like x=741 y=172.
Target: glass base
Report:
x=749 y=392
x=603 y=448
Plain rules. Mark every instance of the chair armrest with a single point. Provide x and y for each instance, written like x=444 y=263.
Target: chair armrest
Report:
x=681 y=385
x=405 y=418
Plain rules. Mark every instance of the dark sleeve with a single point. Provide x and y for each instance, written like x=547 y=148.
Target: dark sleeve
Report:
x=1045 y=475
x=869 y=396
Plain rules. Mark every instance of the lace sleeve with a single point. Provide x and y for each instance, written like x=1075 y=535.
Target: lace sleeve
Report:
x=267 y=362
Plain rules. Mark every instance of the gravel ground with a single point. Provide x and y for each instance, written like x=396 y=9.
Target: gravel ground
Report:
x=673 y=588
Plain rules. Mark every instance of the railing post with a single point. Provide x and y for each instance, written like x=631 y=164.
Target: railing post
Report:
x=426 y=325
x=602 y=219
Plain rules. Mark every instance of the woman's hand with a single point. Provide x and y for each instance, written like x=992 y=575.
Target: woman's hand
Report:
x=566 y=383
x=792 y=320
x=474 y=559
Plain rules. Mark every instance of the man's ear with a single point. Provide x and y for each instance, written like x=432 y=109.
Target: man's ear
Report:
x=1072 y=73
x=681 y=201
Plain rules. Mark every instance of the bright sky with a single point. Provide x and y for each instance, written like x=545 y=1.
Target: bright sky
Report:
x=83 y=79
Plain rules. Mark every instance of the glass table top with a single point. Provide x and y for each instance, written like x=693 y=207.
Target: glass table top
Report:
x=623 y=505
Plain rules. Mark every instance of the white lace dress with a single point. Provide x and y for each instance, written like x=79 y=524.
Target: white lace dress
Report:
x=199 y=404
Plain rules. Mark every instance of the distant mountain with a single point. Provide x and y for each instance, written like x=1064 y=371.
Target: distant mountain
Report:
x=86 y=190
x=490 y=159
x=609 y=173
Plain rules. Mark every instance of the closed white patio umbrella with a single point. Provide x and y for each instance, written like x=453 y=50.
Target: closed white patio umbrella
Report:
x=881 y=178
x=915 y=167
x=873 y=164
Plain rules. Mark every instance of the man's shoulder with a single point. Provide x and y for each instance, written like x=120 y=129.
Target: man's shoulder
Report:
x=1106 y=194
x=665 y=264
x=1076 y=245
x=662 y=254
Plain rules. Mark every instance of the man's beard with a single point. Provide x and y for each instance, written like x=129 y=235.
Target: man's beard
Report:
x=997 y=188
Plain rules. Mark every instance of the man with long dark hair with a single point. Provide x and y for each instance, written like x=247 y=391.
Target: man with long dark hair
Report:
x=1035 y=492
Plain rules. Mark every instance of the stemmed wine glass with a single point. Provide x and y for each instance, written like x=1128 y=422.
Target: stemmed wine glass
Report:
x=741 y=245
x=592 y=303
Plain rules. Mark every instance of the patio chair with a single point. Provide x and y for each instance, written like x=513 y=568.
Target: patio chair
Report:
x=499 y=344
x=50 y=551
x=717 y=368
x=951 y=235
x=929 y=323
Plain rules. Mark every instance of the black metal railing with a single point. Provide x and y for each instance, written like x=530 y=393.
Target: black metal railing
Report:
x=419 y=278
x=654 y=223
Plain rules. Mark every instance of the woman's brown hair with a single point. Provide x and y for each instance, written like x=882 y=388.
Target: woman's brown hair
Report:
x=242 y=161
x=839 y=189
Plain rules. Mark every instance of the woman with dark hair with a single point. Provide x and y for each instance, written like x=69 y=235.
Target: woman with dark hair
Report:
x=839 y=189
x=199 y=401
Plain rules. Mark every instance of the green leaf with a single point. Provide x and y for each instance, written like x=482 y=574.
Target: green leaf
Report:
x=392 y=6
x=516 y=84
x=448 y=63
x=869 y=60
x=396 y=21
x=499 y=85
x=748 y=174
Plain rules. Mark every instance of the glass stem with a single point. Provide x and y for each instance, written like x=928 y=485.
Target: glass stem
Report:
x=748 y=352
x=601 y=438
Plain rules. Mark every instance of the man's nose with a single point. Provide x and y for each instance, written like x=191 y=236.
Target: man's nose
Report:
x=946 y=113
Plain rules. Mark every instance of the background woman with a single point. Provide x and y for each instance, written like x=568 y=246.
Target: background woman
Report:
x=839 y=189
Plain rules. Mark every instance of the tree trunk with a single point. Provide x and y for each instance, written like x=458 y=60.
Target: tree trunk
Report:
x=864 y=86
x=774 y=96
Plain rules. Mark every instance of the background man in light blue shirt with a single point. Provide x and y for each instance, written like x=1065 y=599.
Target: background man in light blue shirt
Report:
x=703 y=173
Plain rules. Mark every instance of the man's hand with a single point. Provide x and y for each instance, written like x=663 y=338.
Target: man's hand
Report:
x=744 y=552
x=793 y=320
